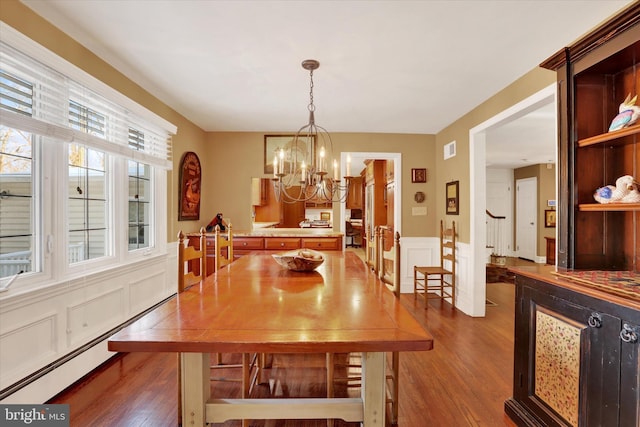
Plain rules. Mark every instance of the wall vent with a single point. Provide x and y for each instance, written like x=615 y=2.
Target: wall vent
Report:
x=450 y=150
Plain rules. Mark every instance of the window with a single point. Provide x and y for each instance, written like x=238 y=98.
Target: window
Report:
x=139 y=176
x=87 y=209
x=77 y=171
x=16 y=180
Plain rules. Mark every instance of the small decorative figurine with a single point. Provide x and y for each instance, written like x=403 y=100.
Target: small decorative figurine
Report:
x=625 y=191
x=628 y=114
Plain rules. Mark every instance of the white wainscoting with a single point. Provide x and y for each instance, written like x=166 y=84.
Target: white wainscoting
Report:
x=55 y=322
x=425 y=251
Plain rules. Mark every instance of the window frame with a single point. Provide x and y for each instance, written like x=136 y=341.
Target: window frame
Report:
x=50 y=231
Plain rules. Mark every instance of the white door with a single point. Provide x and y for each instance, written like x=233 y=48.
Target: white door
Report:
x=526 y=217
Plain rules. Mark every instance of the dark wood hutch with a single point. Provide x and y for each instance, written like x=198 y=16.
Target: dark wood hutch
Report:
x=576 y=355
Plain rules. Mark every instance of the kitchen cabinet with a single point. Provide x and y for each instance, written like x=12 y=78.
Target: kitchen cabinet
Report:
x=595 y=75
x=245 y=245
x=282 y=243
x=390 y=193
x=322 y=244
x=575 y=358
x=259 y=191
x=292 y=212
x=375 y=213
x=354 y=198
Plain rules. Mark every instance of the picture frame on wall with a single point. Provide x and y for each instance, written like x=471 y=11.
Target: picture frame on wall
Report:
x=418 y=175
x=190 y=183
x=453 y=198
x=273 y=144
x=549 y=218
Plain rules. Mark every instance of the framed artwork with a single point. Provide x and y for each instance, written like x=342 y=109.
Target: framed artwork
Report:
x=190 y=183
x=549 y=218
x=273 y=143
x=418 y=175
x=453 y=198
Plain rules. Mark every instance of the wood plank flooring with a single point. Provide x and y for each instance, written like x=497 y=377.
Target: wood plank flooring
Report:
x=464 y=381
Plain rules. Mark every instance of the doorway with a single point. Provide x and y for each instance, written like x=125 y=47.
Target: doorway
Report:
x=476 y=280
x=357 y=159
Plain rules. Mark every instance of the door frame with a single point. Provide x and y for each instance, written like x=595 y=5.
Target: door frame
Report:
x=478 y=193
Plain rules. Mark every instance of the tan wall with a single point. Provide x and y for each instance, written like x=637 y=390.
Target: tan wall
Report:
x=236 y=157
x=546 y=178
x=457 y=168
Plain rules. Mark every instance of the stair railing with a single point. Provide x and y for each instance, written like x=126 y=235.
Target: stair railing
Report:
x=496 y=235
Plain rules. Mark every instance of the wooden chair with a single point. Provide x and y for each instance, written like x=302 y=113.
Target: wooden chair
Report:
x=187 y=277
x=444 y=274
x=187 y=274
x=223 y=257
x=389 y=261
x=370 y=248
x=251 y=365
x=387 y=269
x=389 y=274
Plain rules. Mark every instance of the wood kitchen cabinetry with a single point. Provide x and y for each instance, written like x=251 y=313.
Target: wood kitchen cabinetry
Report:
x=576 y=341
x=259 y=191
x=354 y=199
x=375 y=213
x=243 y=245
x=390 y=193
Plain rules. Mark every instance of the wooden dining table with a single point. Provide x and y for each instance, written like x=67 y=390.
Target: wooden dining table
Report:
x=254 y=305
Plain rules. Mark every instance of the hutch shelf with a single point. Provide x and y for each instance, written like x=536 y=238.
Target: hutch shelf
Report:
x=586 y=329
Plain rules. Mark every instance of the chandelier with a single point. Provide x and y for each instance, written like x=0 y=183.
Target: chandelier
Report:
x=304 y=168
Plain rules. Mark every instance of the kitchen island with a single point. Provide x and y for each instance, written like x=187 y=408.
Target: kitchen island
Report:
x=272 y=239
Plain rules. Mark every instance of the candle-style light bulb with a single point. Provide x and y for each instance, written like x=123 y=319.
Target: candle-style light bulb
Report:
x=275 y=166
x=281 y=160
x=321 y=160
x=336 y=175
x=303 y=168
x=348 y=164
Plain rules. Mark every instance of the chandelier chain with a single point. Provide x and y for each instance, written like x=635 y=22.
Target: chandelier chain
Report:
x=311 y=106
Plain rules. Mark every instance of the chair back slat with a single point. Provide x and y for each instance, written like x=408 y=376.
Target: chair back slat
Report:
x=186 y=272
x=223 y=258
x=389 y=260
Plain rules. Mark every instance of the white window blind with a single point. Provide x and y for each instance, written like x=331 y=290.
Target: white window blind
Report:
x=54 y=98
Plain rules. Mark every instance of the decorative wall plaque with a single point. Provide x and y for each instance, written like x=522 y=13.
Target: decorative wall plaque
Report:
x=190 y=184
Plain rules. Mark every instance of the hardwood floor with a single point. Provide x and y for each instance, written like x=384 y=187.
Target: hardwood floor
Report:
x=463 y=381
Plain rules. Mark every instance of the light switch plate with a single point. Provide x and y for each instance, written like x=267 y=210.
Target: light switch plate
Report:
x=419 y=210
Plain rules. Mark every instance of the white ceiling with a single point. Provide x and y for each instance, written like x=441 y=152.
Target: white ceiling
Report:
x=386 y=66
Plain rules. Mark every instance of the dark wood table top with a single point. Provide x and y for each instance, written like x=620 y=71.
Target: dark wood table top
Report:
x=255 y=305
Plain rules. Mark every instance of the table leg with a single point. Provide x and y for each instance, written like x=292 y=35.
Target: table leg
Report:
x=373 y=388
x=196 y=387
